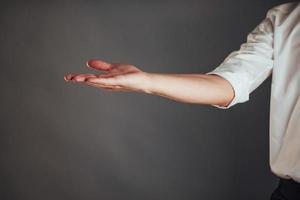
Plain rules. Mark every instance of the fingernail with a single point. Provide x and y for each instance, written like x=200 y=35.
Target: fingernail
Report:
x=87 y=64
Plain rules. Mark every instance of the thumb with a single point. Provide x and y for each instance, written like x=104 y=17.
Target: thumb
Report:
x=99 y=64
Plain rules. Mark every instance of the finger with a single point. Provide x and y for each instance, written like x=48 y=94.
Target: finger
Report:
x=93 y=84
x=82 y=77
x=108 y=74
x=99 y=64
x=68 y=77
x=104 y=81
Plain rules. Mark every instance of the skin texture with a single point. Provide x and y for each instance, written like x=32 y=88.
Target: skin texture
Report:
x=186 y=88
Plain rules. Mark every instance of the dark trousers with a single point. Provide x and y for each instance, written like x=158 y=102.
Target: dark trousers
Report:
x=287 y=189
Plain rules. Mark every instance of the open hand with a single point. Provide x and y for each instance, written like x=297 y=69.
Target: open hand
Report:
x=115 y=77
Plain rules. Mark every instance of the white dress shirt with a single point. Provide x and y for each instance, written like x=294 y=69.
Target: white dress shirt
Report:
x=272 y=47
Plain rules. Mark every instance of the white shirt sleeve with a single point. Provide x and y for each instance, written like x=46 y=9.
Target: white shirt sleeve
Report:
x=248 y=67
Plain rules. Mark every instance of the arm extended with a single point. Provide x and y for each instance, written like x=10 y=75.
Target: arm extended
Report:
x=187 y=88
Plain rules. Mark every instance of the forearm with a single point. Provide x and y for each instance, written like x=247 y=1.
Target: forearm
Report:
x=191 y=88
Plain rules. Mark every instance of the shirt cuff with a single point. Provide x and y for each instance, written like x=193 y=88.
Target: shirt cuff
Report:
x=240 y=94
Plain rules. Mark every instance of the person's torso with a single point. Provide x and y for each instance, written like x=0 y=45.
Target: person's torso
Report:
x=285 y=93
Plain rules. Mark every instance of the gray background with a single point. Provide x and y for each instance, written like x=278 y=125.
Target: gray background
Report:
x=67 y=141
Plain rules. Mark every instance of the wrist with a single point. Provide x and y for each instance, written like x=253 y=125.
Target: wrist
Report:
x=147 y=83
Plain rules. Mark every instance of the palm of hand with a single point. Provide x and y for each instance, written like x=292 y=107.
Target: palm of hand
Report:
x=116 y=77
